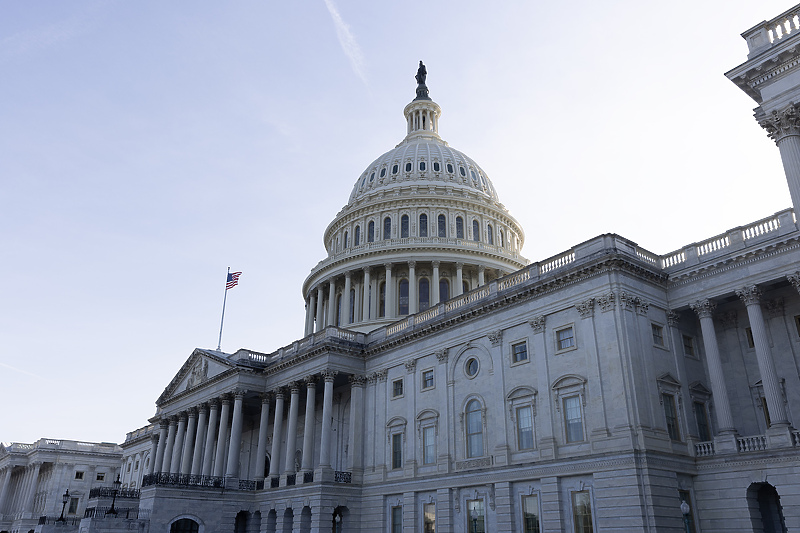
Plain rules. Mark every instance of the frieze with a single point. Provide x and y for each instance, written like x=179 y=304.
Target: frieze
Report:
x=474 y=463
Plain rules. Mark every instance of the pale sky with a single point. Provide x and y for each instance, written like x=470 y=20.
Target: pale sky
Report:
x=147 y=146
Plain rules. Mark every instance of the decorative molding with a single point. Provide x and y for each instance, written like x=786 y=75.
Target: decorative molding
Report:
x=411 y=366
x=780 y=123
x=634 y=303
x=357 y=380
x=673 y=318
x=607 y=302
x=441 y=355
x=382 y=374
x=704 y=308
x=794 y=279
x=750 y=295
x=328 y=374
x=537 y=323
x=496 y=337
x=474 y=463
x=586 y=308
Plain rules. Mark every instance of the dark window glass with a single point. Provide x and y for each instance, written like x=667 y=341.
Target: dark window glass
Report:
x=423 y=225
x=387 y=228
x=371 y=231
x=338 y=310
x=404 y=226
x=382 y=302
x=357 y=236
x=436 y=166
x=383 y=172
x=502 y=238
x=444 y=290
x=520 y=352
x=397 y=388
x=422 y=165
x=462 y=171
x=397 y=451
x=397 y=519
x=184 y=525
x=703 y=430
x=474 y=177
x=476 y=231
x=459 y=228
x=489 y=234
x=573 y=418
x=474 y=429
x=408 y=167
x=442 y=226
x=688 y=346
x=464 y=286
x=345 y=239
x=449 y=168
x=658 y=334
x=364 y=180
x=424 y=294
x=372 y=177
x=403 y=299
x=352 y=310
x=672 y=416
x=394 y=169
x=530 y=514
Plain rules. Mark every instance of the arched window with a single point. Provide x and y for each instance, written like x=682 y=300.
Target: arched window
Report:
x=382 y=300
x=424 y=294
x=403 y=300
x=474 y=427
x=383 y=171
x=436 y=166
x=345 y=239
x=357 y=239
x=459 y=228
x=423 y=225
x=444 y=290
x=387 y=228
x=352 y=311
x=371 y=231
x=404 y=226
x=489 y=235
x=422 y=165
x=184 y=525
x=502 y=238
x=476 y=231
x=442 y=226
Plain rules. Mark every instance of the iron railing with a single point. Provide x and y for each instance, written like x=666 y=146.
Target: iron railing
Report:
x=342 y=477
x=70 y=521
x=108 y=492
x=291 y=479
x=308 y=477
x=183 y=480
x=105 y=512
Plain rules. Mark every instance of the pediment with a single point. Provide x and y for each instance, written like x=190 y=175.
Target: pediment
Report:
x=667 y=379
x=200 y=367
x=698 y=388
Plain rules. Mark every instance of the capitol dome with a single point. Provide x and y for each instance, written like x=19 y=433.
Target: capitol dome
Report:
x=423 y=224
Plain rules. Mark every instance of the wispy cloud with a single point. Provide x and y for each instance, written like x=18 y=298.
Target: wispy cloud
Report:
x=347 y=41
x=48 y=35
x=21 y=371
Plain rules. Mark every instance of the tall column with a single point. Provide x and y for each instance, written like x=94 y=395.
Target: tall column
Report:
x=188 y=442
x=208 y=453
x=481 y=276
x=435 y=284
x=173 y=424
x=319 y=324
x=356 y=437
x=177 y=448
x=153 y=452
x=222 y=439
x=327 y=419
x=705 y=310
x=366 y=299
x=345 y=319
x=751 y=296
x=199 y=439
x=331 y=303
x=236 y=435
x=357 y=309
x=458 y=290
x=291 y=430
x=28 y=505
x=309 y=424
x=162 y=445
x=5 y=483
x=309 y=314
x=389 y=295
x=413 y=304
x=784 y=129
x=274 y=465
x=263 y=423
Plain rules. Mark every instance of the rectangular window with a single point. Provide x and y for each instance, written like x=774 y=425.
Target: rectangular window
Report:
x=397 y=519
x=429 y=445
x=427 y=379
x=688 y=346
x=573 y=419
x=671 y=414
x=129 y=468
x=565 y=338
x=749 y=334
x=429 y=518
x=397 y=388
x=101 y=477
x=78 y=475
x=525 y=427
x=520 y=352
x=658 y=334
x=685 y=496
x=530 y=514
x=701 y=415
x=475 y=517
x=73 y=505
x=397 y=451
x=582 y=511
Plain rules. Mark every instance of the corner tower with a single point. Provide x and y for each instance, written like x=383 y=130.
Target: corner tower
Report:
x=423 y=224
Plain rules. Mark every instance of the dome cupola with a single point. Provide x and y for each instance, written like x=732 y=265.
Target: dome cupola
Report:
x=423 y=224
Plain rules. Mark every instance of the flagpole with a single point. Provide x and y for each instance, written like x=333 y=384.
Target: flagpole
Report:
x=224 y=300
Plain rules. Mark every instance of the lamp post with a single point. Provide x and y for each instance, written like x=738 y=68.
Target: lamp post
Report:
x=64 y=500
x=474 y=515
x=685 y=510
x=116 y=484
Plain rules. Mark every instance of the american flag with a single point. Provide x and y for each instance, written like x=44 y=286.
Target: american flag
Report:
x=233 y=280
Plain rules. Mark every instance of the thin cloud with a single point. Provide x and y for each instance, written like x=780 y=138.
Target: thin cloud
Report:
x=21 y=371
x=347 y=41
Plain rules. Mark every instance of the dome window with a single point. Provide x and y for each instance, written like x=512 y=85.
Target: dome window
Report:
x=345 y=239
x=383 y=172
x=372 y=177
x=387 y=228
x=442 y=226
x=404 y=226
x=371 y=231
x=474 y=177
x=382 y=300
x=502 y=238
x=422 y=165
x=476 y=231
x=489 y=234
x=463 y=172
x=395 y=168
x=436 y=166
x=423 y=225
x=444 y=290
x=424 y=294
x=403 y=300
x=449 y=168
x=408 y=167
x=357 y=236
x=364 y=181
x=459 y=228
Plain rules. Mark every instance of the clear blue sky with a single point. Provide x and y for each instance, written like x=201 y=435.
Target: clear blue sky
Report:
x=147 y=146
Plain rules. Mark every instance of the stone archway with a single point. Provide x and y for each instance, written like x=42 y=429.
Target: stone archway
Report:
x=766 y=512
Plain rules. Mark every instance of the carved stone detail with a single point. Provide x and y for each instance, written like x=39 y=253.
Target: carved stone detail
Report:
x=382 y=374
x=606 y=302
x=634 y=303
x=780 y=123
x=704 y=308
x=774 y=308
x=357 y=380
x=496 y=337
x=586 y=308
x=537 y=323
x=441 y=355
x=411 y=366
x=328 y=374
x=794 y=279
x=673 y=318
x=750 y=295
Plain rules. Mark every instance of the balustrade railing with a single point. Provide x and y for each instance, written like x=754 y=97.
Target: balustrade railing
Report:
x=796 y=438
x=308 y=477
x=756 y=443
x=557 y=262
x=513 y=280
x=291 y=479
x=105 y=512
x=183 y=480
x=704 y=449
x=342 y=477
x=246 y=484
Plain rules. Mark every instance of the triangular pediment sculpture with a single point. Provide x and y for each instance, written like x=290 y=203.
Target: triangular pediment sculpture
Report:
x=200 y=367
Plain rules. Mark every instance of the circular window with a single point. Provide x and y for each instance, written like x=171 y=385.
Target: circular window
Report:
x=471 y=367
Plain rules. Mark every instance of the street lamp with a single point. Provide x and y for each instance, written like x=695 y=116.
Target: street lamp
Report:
x=685 y=510
x=64 y=500
x=116 y=484
x=337 y=518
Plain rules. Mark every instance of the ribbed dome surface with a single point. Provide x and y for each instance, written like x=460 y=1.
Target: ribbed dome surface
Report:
x=422 y=161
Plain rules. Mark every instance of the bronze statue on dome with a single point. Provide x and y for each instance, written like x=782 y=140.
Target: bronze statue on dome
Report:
x=422 y=73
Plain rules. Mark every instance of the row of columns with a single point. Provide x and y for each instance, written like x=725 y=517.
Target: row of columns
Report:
x=185 y=443
x=751 y=297
x=416 y=122
x=27 y=486
x=366 y=295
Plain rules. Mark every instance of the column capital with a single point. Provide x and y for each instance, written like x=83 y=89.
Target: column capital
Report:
x=154 y=438
x=435 y=264
x=779 y=124
x=225 y=399
x=537 y=323
x=412 y=264
x=310 y=381
x=366 y=269
x=411 y=366
x=238 y=394
x=750 y=295
x=459 y=265
x=213 y=404
x=673 y=318
x=202 y=408
x=794 y=279
x=182 y=416
x=704 y=308
x=173 y=420
x=328 y=375
x=481 y=268
x=265 y=397
x=387 y=266
x=280 y=393
x=191 y=412
x=294 y=387
x=357 y=380
x=441 y=355
x=496 y=337
x=348 y=275
x=163 y=423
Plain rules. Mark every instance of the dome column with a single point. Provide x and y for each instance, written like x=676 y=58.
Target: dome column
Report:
x=435 y=288
x=331 y=303
x=319 y=308
x=365 y=299
x=412 y=288
x=481 y=276
x=389 y=294
x=346 y=301
x=311 y=302
x=459 y=288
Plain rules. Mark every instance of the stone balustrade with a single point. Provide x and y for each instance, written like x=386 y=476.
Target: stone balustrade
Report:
x=769 y=33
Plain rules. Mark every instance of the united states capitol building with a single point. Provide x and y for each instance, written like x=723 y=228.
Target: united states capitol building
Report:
x=447 y=384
